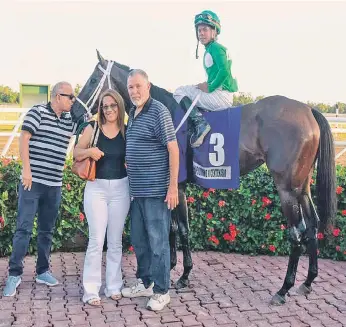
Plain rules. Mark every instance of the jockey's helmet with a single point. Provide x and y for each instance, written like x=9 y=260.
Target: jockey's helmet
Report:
x=208 y=17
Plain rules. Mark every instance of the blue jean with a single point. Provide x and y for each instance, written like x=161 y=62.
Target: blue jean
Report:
x=45 y=201
x=150 y=225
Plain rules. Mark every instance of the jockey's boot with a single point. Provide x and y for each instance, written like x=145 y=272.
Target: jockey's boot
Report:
x=200 y=126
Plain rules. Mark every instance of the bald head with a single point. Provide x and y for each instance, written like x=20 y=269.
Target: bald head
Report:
x=62 y=97
x=59 y=88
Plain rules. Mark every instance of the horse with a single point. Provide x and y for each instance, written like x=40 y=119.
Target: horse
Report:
x=288 y=136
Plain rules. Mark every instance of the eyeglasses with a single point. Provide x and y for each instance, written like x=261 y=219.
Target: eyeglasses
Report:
x=71 y=96
x=112 y=106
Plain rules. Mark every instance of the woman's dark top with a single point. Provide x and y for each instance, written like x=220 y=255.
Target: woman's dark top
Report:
x=112 y=164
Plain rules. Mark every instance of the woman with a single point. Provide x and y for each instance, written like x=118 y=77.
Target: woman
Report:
x=107 y=199
x=217 y=92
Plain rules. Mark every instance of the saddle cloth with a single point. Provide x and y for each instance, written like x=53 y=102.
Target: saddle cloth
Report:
x=215 y=164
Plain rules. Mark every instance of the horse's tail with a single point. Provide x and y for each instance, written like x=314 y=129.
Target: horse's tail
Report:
x=326 y=175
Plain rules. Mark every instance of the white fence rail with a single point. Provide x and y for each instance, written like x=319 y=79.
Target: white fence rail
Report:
x=22 y=111
x=15 y=131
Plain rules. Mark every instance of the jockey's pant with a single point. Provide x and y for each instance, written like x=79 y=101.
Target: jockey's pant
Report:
x=42 y=200
x=216 y=100
x=106 y=205
x=150 y=226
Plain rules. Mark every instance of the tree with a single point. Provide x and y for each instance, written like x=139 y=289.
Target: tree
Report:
x=7 y=95
x=77 y=89
x=242 y=98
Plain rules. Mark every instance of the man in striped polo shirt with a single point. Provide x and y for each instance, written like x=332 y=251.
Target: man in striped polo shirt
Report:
x=152 y=158
x=43 y=143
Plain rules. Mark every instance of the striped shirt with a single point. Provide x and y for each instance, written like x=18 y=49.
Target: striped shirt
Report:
x=147 y=155
x=48 y=143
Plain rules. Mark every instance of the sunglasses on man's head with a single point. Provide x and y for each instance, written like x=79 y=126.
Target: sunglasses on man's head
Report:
x=71 y=96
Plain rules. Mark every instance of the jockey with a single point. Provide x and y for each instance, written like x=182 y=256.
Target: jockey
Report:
x=216 y=93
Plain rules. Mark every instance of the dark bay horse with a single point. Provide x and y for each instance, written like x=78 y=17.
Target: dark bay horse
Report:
x=285 y=134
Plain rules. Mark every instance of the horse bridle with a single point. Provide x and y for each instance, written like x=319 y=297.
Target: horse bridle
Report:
x=94 y=96
x=107 y=74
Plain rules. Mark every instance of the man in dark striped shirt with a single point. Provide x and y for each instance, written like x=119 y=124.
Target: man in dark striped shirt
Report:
x=152 y=158
x=43 y=143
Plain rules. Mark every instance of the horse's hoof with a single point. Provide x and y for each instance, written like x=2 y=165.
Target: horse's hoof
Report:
x=181 y=283
x=304 y=290
x=277 y=300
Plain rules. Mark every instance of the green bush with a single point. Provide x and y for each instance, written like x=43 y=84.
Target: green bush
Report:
x=247 y=220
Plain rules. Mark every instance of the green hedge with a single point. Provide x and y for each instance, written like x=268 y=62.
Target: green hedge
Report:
x=247 y=220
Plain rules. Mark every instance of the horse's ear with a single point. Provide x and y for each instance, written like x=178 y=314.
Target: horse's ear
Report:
x=100 y=58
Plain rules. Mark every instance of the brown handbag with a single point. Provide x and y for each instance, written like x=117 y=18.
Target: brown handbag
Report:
x=86 y=168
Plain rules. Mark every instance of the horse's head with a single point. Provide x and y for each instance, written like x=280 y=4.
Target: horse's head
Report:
x=106 y=75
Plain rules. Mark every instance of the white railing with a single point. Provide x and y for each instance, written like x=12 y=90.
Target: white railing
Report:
x=15 y=132
x=22 y=111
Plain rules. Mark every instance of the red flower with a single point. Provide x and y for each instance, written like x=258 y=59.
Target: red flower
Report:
x=5 y=161
x=190 y=199
x=320 y=236
x=209 y=215
x=234 y=234
x=211 y=229
x=222 y=219
x=263 y=246
x=282 y=227
x=205 y=194
x=81 y=216
x=339 y=190
x=214 y=239
x=343 y=212
x=337 y=248
x=227 y=237
x=222 y=203
x=212 y=190
x=131 y=249
x=272 y=248
x=2 y=222
x=68 y=186
x=336 y=232
x=232 y=227
x=253 y=202
x=265 y=201
x=267 y=216
x=312 y=181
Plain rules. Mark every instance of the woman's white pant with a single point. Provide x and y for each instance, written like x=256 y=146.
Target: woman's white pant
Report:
x=106 y=205
x=216 y=100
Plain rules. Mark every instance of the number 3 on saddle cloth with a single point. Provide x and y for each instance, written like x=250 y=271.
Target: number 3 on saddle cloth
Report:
x=216 y=161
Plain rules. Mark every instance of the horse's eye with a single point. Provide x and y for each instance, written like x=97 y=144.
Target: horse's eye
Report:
x=93 y=80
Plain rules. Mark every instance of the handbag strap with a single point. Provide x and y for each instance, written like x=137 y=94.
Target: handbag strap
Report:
x=95 y=135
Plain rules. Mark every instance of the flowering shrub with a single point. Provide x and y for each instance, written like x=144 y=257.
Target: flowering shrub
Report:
x=247 y=220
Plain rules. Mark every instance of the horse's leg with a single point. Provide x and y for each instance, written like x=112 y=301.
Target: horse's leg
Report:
x=310 y=239
x=183 y=228
x=173 y=237
x=296 y=224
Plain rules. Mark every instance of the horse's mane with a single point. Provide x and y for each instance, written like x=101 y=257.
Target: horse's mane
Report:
x=156 y=92
x=121 y=66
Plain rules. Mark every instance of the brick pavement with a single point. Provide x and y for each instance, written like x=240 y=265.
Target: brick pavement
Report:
x=226 y=290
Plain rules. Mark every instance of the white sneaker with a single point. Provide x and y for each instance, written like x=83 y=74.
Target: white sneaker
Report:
x=158 y=301
x=138 y=290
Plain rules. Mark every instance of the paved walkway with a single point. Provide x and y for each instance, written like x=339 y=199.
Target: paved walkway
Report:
x=226 y=290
